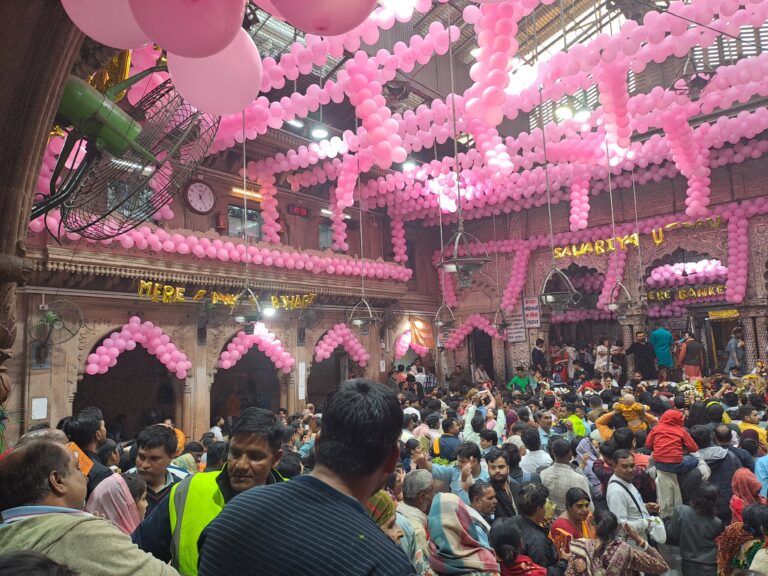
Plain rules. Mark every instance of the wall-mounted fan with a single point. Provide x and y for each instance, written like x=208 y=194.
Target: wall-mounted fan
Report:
x=56 y=322
x=308 y=318
x=134 y=160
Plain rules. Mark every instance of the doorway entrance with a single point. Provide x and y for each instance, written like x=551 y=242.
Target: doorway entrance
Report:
x=481 y=349
x=326 y=376
x=136 y=392
x=252 y=381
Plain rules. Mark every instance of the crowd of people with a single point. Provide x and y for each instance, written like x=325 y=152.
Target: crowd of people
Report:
x=567 y=475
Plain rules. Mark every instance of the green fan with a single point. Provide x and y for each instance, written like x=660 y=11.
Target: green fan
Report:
x=134 y=160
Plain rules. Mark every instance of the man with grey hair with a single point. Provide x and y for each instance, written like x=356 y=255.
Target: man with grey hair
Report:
x=418 y=490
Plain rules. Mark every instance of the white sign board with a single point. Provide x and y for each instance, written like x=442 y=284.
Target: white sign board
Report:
x=302 y=380
x=39 y=408
x=382 y=366
x=516 y=328
x=532 y=312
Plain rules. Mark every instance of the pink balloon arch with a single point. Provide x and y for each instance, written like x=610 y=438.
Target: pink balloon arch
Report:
x=265 y=341
x=151 y=337
x=341 y=334
x=473 y=321
x=404 y=341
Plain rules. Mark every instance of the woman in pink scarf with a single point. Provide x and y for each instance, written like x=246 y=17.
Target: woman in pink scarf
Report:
x=746 y=491
x=120 y=500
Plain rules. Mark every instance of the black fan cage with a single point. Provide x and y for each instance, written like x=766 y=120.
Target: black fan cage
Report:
x=119 y=193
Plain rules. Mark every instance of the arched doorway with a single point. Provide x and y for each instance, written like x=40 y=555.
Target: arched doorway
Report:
x=253 y=380
x=138 y=391
x=584 y=324
x=481 y=348
x=325 y=376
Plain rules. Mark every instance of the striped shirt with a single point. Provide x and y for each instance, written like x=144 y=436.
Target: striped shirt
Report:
x=299 y=527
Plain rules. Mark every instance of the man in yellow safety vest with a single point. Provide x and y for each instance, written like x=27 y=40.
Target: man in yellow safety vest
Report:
x=171 y=532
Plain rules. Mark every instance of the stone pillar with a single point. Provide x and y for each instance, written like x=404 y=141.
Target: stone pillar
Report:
x=38 y=45
x=186 y=418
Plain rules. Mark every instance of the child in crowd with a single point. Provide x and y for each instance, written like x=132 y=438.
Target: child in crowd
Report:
x=667 y=440
x=696 y=527
x=633 y=412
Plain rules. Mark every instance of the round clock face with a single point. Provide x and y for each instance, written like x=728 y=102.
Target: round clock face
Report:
x=200 y=197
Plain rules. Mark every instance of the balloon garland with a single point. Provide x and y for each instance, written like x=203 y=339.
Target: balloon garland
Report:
x=150 y=337
x=265 y=341
x=341 y=334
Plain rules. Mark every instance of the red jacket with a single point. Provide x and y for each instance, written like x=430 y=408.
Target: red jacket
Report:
x=669 y=437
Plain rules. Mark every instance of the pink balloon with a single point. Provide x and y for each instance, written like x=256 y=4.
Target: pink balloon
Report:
x=325 y=17
x=268 y=6
x=109 y=22
x=190 y=28
x=224 y=83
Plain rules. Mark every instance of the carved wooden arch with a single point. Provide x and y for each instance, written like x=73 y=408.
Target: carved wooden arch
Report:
x=226 y=336
x=709 y=242
x=676 y=256
x=88 y=340
x=542 y=264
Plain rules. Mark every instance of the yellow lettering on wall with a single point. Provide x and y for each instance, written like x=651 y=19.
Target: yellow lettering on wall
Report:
x=156 y=292
x=199 y=295
x=168 y=293
x=633 y=239
x=275 y=302
x=145 y=289
x=599 y=247
x=179 y=295
x=611 y=247
x=558 y=252
x=658 y=235
x=720 y=288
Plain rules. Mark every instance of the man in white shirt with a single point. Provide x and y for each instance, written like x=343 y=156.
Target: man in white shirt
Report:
x=535 y=458
x=623 y=498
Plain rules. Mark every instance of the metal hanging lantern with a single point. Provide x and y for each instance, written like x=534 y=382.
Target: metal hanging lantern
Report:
x=361 y=314
x=444 y=317
x=246 y=309
x=562 y=294
x=692 y=79
x=619 y=299
x=500 y=321
x=461 y=259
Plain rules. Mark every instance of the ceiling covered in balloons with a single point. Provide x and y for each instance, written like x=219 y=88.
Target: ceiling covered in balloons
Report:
x=525 y=100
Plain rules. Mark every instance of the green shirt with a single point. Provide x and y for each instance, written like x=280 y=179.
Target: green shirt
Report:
x=519 y=382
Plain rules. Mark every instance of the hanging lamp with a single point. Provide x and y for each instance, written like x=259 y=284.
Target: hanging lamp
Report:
x=245 y=309
x=692 y=78
x=619 y=298
x=361 y=314
x=444 y=317
x=463 y=254
x=557 y=290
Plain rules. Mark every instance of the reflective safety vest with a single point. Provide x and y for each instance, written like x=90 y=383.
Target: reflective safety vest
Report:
x=193 y=504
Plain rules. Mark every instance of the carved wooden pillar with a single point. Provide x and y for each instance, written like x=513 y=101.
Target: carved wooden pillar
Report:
x=38 y=45
x=750 y=339
x=762 y=337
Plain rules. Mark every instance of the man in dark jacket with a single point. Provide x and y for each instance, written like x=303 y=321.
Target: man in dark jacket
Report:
x=507 y=490
x=536 y=542
x=538 y=357
x=722 y=464
x=722 y=436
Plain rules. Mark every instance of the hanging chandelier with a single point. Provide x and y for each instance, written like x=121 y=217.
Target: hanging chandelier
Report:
x=361 y=314
x=463 y=254
x=693 y=78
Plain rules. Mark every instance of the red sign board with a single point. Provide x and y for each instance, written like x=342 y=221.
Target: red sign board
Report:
x=297 y=210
